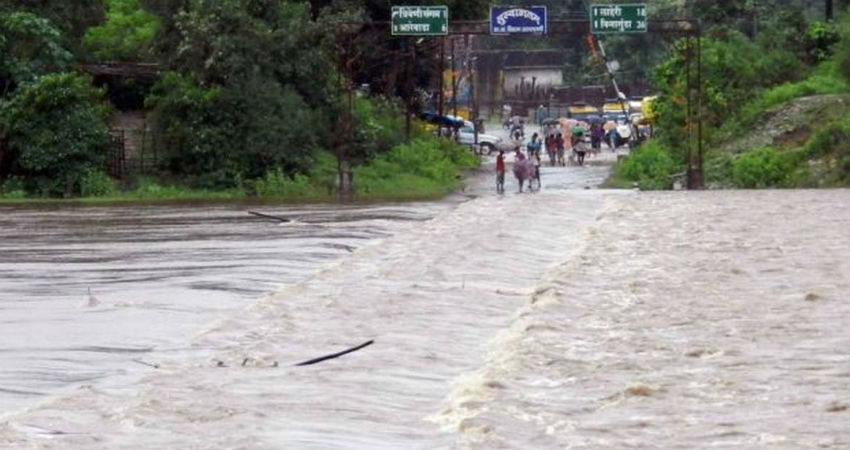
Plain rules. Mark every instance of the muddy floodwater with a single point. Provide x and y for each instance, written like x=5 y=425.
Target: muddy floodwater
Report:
x=158 y=276
x=568 y=318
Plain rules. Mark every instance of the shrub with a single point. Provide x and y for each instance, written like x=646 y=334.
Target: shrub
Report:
x=378 y=127
x=13 y=187
x=821 y=82
x=761 y=168
x=427 y=166
x=96 y=183
x=29 y=46
x=323 y=171
x=126 y=34
x=13 y=194
x=277 y=184
x=214 y=134
x=819 y=40
x=651 y=165
x=57 y=127
x=150 y=189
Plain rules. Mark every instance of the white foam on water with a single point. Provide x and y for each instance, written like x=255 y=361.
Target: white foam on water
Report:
x=560 y=319
x=685 y=322
x=431 y=297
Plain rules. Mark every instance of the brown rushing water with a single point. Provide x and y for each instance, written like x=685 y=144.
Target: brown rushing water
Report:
x=563 y=319
x=160 y=274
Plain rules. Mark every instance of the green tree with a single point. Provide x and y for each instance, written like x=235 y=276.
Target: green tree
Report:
x=255 y=90
x=217 y=135
x=56 y=128
x=734 y=70
x=72 y=17
x=820 y=37
x=29 y=46
x=126 y=35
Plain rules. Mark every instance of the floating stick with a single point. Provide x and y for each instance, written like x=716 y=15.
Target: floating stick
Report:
x=335 y=355
x=155 y=366
x=268 y=216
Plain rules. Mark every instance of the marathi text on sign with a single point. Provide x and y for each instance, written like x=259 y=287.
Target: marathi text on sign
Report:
x=618 y=18
x=518 y=20
x=420 y=20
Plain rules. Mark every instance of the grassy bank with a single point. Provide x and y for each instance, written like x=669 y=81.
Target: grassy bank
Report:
x=426 y=168
x=763 y=126
x=794 y=135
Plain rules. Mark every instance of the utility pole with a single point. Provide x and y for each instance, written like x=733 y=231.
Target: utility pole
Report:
x=442 y=70
x=828 y=9
x=454 y=79
x=346 y=117
x=473 y=102
x=620 y=96
x=411 y=73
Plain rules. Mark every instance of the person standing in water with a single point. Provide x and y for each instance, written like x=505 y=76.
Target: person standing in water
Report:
x=559 y=146
x=580 y=146
x=533 y=146
x=550 y=149
x=522 y=170
x=597 y=134
x=500 y=172
x=536 y=175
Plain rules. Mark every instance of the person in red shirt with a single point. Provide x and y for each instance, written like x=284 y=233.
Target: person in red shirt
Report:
x=500 y=172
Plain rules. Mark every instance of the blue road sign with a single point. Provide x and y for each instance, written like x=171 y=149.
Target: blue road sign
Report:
x=517 y=20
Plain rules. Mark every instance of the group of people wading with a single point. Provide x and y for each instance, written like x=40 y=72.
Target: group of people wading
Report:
x=527 y=168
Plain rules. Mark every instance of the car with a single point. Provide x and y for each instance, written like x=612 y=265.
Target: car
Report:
x=486 y=142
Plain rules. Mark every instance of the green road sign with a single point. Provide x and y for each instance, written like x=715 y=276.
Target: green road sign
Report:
x=618 y=18
x=420 y=20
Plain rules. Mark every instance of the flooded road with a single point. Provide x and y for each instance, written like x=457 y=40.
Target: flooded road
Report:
x=158 y=275
x=687 y=320
x=567 y=318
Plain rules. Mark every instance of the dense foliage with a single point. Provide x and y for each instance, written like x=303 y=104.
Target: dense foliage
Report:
x=71 y=17
x=251 y=94
x=127 y=33
x=424 y=166
x=259 y=95
x=29 y=46
x=254 y=95
x=56 y=128
x=221 y=134
x=743 y=77
x=53 y=123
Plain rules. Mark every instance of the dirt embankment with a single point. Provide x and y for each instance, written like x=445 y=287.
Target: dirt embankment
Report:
x=791 y=124
x=802 y=143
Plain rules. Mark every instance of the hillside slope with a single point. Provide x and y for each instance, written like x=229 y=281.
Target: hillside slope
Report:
x=802 y=143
